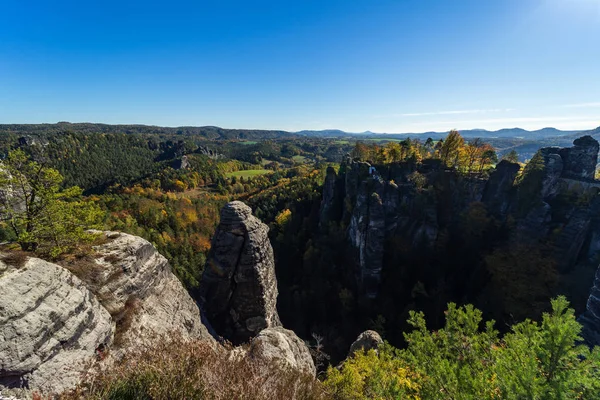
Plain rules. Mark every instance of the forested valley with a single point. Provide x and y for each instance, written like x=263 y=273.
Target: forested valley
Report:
x=366 y=233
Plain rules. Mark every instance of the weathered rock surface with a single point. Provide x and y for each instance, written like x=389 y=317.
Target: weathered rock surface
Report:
x=239 y=288
x=367 y=233
x=499 y=188
x=51 y=326
x=580 y=160
x=553 y=170
x=327 y=203
x=135 y=275
x=53 y=323
x=282 y=345
x=590 y=319
x=366 y=341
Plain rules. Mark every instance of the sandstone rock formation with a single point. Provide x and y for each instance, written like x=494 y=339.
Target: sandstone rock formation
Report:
x=51 y=326
x=282 y=345
x=580 y=160
x=135 y=275
x=499 y=187
x=55 y=324
x=590 y=319
x=239 y=288
x=366 y=341
x=327 y=203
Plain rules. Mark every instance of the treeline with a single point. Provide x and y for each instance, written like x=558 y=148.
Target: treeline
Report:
x=453 y=151
x=207 y=132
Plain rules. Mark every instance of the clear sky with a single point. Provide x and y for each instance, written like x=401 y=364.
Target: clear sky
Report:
x=379 y=65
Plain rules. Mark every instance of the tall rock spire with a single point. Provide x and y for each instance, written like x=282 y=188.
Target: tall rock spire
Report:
x=239 y=288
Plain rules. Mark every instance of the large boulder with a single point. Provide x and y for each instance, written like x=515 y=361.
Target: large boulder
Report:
x=366 y=341
x=282 y=345
x=239 y=288
x=52 y=326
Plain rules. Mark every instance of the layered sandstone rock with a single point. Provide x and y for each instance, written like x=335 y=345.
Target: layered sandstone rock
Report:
x=239 y=288
x=55 y=325
x=136 y=276
x=51 y=326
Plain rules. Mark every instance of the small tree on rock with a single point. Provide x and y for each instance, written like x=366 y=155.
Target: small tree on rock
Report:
x=39 y=214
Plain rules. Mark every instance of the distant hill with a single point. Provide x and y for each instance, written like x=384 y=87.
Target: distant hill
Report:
x=469 y=133
x=216 y=133
x=208 y=132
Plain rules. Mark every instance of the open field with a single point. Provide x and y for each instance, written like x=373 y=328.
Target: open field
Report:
x=248 y=173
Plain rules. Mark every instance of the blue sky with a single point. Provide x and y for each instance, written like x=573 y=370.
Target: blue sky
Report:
x=383 y=65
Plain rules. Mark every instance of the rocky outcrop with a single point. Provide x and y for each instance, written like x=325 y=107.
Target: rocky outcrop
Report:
x=499 y=188
x=367 y=234
x=52 y=326
x=239 y=288
x=136 y=278
x=580 y=160
x=590 y=319
x=366 y=341
x=282 y=345
x=553 y=170
x=327 y=202
x=205 y=151
x=182 y=163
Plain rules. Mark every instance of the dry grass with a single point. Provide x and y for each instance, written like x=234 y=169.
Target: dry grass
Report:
x=175 y=368
x=15 y=258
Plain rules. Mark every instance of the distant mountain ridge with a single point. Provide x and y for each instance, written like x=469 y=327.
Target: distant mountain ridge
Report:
x=215 y=132
x=469 y=133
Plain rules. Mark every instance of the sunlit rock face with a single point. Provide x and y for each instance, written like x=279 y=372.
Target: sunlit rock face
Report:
x=581 y=159
x=51 y=326
x=55 y=325
x=239 y=288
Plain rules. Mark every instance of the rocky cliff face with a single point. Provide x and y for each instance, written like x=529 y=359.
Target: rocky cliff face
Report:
x=590 y=319
x=239 y=288
x=55 y=325
x=580 y=160
x=135 y=275
x=415 y=203
x=498 y=194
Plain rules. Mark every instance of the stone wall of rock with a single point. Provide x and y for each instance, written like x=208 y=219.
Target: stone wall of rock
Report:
x=380 y=202
x=239 y=288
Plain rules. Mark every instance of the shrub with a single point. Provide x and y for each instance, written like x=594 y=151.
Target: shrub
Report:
x=175 y=368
